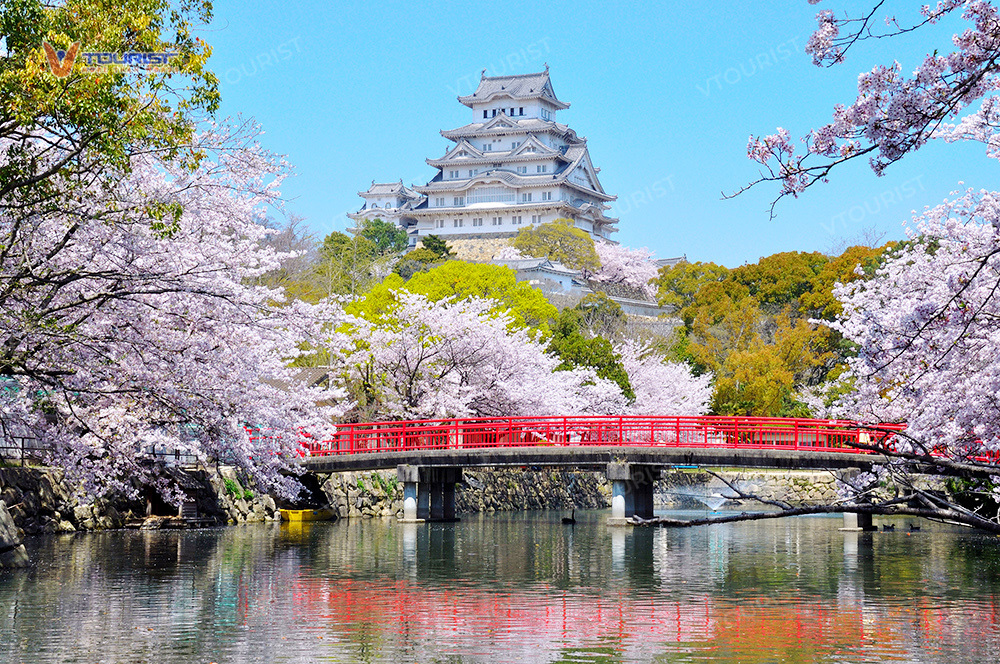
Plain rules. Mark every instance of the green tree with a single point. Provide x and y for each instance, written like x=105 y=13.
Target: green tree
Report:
x=347 y=265
x=420 y=259
x=387 y=238
x=751 y=326
x=559 y=241
x=439 y=247
x=95 y=123
x=577 y=350
x=678 y=284
x=780 y=278
x=601 y=316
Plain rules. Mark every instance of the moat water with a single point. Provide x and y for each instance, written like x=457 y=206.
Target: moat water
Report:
x=507 y=588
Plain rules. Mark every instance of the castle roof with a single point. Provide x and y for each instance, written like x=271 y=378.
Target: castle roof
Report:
x=502 y=125
x=521 y=86
x=388 y=189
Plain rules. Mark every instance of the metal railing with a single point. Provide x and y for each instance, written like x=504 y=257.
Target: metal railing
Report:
x=21 y=448
x=626 y=431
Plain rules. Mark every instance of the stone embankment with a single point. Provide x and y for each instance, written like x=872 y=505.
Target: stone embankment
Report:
x=36 y=500
x=696 y=489
x=12 y=553
x=39 y=500
x=372 y=494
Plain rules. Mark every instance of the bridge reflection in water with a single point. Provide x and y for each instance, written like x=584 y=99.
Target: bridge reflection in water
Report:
x=507 y=587
x=779 y=593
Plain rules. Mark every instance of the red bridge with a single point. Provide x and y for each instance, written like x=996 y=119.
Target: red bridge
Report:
x=429 y=455
x=592 y=441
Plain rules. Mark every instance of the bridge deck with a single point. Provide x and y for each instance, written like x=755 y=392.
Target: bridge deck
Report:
x=592 y=457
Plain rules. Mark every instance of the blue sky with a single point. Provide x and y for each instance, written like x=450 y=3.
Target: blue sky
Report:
x=666 y=94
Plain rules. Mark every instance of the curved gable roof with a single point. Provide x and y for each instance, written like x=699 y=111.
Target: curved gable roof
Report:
x=522 y=86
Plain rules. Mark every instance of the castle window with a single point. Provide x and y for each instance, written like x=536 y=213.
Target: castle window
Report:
x=459 y=201
x=522 y=169
x=541 y=169
x=439 y=223
x=487 y=147
x=520 y=110
x=457 y=223
x=536 y=218
x=478 y=221
x=546 y=195
x=471 y=173
x=497 y=221
x=516 y=220
x=494 y=112
x=525 y=198
x=485 y=114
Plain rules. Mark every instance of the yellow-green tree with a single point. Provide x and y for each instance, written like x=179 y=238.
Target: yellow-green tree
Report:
x=560 y=241
x=526 y=305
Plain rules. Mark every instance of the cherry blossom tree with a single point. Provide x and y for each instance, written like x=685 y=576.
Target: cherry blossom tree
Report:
x=662 y=387
x=131 y=318
x=894 y=114
x=453 y=358
x=630 y=267
x=928 y=342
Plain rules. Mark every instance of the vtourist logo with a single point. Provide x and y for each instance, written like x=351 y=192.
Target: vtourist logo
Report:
x=61 y=62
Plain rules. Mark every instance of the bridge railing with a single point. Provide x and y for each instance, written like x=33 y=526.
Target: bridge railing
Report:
x=632 y=431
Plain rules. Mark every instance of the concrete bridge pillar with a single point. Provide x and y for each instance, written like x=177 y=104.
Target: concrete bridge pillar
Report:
x=428 y=493
x=853 y=521
x=631 y=491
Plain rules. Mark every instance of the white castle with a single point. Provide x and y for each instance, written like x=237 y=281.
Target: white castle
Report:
x=514 y=165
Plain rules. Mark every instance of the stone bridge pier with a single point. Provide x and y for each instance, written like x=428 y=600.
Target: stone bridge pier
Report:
x=631 y=491
x=428 y=492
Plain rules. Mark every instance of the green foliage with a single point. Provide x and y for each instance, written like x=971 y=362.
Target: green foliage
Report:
x=424 y=255
x=437 y=246
x=347 y=265
x=386 y=238
x=525 y=304
x=576 y=350
x=601 y=316
x=114 y=114
x=678 y=284
x=974 y=494
x=559 y=241
x=233 y=488
x=420 y=259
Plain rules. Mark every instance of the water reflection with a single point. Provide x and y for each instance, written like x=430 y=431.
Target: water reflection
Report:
x=506 y=587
